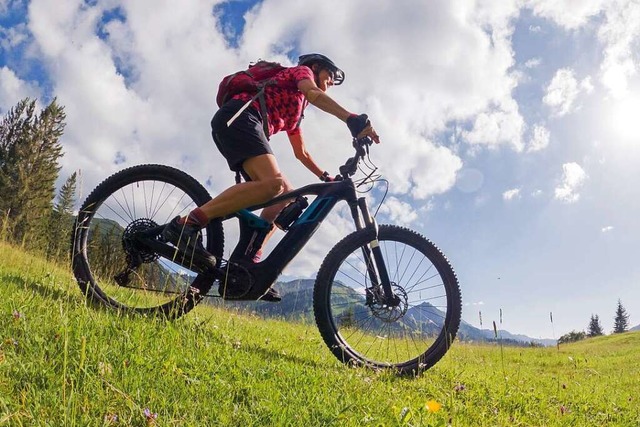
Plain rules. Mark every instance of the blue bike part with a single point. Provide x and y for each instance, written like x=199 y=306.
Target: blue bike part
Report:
x=315 y=210
x=253 y=220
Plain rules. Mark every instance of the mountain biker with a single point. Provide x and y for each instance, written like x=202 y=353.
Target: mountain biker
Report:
x=246 y=147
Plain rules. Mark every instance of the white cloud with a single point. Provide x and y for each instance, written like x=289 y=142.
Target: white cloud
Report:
x=146 y=89
x=607 y=229
x=398 y=211
x=573 y=178
x=13 y=36
x=620 y=34
x=533 y=63
x=13 y=89
x=539 y=139
x=502 y=126
x=618 y=31
x=563 y=91
x=570 y=14
x=511 y=194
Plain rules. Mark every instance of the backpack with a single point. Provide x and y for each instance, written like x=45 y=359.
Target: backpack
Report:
x=253 y=79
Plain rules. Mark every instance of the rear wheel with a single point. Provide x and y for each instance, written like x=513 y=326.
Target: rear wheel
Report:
x=112 y=269
x=408 y=338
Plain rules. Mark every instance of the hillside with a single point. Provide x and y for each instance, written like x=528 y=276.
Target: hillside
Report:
x=63 y=363
x=297 y=305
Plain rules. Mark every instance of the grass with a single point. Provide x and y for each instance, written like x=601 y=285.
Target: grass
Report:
x=63 y=363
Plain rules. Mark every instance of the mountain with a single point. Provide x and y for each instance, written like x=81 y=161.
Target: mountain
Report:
x=297 y=305
x=635 y=328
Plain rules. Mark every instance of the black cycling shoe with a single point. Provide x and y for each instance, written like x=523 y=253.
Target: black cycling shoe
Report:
x=188 y=239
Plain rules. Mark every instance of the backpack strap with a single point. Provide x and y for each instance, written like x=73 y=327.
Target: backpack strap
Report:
x=263 y=110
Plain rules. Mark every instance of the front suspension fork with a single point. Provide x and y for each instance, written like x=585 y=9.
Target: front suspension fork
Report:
x=376 y=267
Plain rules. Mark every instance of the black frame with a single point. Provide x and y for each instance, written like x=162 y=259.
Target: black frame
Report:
x=300 y=232
x=328 y=194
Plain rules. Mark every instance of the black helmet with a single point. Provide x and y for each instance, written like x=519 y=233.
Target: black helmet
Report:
x=316 y=58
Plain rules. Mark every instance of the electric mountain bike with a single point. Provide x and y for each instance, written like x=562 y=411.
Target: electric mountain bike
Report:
x=384 y=297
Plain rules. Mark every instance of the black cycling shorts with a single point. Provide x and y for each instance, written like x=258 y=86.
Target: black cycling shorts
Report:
x=242 y=140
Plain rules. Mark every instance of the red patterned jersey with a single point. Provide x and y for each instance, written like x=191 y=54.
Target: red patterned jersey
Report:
x=285 y=103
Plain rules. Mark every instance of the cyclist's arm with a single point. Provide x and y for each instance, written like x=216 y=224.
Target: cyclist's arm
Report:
x=301 y=153
x=318 y=98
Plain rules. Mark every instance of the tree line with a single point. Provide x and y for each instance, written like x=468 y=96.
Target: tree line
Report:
x=30 y=150
x=594 y=329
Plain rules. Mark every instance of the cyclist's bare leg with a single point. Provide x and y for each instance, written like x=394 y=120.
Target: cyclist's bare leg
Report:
x=265 y=168
x=267 y=183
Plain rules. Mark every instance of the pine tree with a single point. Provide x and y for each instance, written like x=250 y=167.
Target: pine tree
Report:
x=595 y=328
x=61 y=223
x=29 y=153
x=12 y=134
x=621 y=321
x=572 y=336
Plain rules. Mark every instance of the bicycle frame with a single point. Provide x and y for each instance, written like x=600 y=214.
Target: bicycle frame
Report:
x=265 y=273
x=327 y=196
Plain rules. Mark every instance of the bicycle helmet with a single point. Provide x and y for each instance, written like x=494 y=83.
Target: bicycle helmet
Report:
x=316 y=58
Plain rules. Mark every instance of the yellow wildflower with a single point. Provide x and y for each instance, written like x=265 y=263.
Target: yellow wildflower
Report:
x=433 y=406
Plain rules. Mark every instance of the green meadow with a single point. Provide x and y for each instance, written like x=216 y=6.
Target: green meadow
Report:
x=64 y=363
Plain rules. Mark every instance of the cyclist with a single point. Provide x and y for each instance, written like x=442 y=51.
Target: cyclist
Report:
x=245 y=145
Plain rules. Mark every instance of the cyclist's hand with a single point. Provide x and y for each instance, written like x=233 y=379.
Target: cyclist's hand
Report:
x=360 y=127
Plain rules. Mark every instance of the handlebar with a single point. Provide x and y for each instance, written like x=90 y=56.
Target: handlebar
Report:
x=361 y=146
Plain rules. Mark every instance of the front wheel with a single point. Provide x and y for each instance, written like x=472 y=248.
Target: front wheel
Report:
x=408 y=338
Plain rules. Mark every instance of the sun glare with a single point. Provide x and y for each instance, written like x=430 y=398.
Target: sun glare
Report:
x=625 y=119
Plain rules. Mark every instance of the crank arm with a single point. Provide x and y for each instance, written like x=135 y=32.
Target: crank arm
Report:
x=174 y=255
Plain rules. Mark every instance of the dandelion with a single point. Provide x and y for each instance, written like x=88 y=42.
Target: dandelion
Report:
x=433 y=406
x=237 y=344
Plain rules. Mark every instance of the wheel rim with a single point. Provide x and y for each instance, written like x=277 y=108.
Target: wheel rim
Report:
x=390 y=336
x=107 y=246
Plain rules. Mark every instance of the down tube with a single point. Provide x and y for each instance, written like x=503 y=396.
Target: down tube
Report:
x=302 y=230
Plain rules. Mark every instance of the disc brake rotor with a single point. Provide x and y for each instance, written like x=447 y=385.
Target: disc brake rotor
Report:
x=390 y=314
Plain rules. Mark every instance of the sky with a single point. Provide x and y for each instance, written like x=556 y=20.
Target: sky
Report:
x=510 y=130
